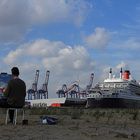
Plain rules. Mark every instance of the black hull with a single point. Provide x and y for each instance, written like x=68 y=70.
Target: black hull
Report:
x=112 y=103
x=75 y=102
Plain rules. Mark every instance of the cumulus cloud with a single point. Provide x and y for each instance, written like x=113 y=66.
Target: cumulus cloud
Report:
x=17 y=17
x=65 y=62
x=132 y=44
x=98 y=39
x=121 y=65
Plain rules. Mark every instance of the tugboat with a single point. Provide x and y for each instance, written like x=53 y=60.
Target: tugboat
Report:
x=122 y=92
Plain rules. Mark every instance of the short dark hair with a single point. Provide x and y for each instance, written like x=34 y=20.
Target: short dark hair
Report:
x=15 y=71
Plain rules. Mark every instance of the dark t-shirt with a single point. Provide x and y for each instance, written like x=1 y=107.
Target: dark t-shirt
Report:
x=16 y=92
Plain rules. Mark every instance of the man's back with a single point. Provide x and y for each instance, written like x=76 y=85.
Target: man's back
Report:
x=16 y=92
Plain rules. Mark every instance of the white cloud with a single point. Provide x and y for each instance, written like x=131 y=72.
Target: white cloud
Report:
x=132 y=44
x=121 y=65
x=98 y=39
x=66 y=63
x=18 y=16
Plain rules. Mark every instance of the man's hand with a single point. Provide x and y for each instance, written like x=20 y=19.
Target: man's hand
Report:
x=3 y=90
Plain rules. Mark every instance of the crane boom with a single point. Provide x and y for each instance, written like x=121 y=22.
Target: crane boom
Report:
x=45 y=85
x=43 y=92
x=32 y=92
x=34 y=85
x=90 y=82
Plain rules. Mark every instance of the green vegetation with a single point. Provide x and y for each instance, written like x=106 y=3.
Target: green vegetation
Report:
x=124 y=117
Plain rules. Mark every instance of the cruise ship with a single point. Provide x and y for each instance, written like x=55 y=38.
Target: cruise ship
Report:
x=121 y=92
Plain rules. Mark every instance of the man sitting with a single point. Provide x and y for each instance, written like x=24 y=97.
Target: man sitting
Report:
x=14 y=93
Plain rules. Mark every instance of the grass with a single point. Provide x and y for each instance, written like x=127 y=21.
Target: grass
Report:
x=108 y=116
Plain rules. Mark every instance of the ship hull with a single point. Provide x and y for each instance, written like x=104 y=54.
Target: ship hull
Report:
x=112 y=103
x=75 y=102
x=57 y=101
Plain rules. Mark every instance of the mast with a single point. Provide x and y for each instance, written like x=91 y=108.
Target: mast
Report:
x=110 y=73
x=121 y=73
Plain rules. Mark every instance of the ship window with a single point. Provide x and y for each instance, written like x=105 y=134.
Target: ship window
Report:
x=110 y=85
x=118 y=85
x=125 y=84
x=105 y=90
x=107 y=85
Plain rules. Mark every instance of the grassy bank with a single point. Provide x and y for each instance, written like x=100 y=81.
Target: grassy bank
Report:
x=76 y=123
x=112 y=116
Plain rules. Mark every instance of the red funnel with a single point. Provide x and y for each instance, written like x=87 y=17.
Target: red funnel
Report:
x=126 y=74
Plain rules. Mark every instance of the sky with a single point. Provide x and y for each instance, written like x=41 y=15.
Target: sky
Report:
x=71 y=38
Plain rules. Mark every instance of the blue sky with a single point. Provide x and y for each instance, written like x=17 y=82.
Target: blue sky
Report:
x=71 y=38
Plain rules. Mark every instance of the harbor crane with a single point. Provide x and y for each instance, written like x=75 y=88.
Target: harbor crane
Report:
x=61 y=92
x=74 y=90
x=32 y=92
x=66 y=91
x=88 y=87
x=43 y=92
x=84 y=92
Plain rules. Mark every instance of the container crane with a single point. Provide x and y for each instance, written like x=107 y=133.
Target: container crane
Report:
x=61 y=92
x=74 y=92
x=83 y=93
x=32 y=92
x=90 y=82
x=66 y=91
x=43 y=92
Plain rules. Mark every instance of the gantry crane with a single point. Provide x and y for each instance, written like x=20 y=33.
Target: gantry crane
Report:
x=43 y=92
x=90 y=82
x=74 y=90
x=68 y=91
x=32 y=92
x=61 y=92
